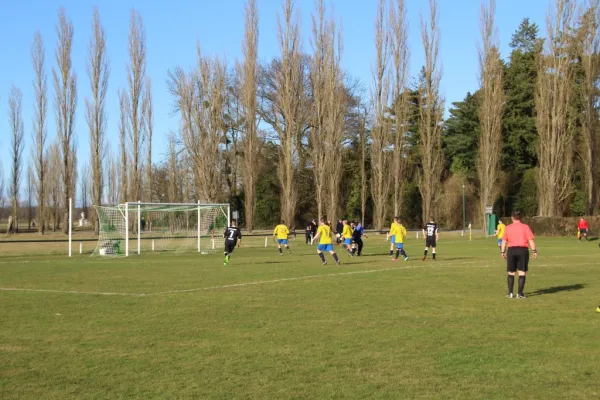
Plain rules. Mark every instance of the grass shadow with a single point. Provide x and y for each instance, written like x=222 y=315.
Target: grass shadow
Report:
x=557 y=289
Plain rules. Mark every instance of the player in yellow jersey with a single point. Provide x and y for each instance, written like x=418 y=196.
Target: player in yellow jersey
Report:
x=391 y=236
x=325 y=243
x=347 y=237
x=500 y=233
x=400 y=236
x=281 y=232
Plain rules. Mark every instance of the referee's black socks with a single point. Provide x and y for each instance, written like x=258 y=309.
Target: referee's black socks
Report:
x=521 y=284
x=510 y=280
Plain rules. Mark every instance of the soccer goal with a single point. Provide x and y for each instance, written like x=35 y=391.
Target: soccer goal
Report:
x=160 y=227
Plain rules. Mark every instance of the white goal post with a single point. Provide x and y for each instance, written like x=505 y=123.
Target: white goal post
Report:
x=160 y=227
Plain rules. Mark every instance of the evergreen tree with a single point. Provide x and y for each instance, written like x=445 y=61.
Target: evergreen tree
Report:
x=460 y=136
x=519 y=130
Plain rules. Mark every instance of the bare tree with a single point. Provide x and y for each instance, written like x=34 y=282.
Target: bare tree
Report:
x=590 y=52
x=200 y=98
x=98 y=72
x=248 y=75
x=30 y=193
x=288 y=102
x=136 y=73
x=334 y=119
x=2 y=187
x=553 y=96
x=123 y=164
x=490 y=110
x=85 y=188
x=17 y=136
x=54 y=183
x=380 y=133
x=173 y=169
x=321 y=42
x=363 y=163
x=65 y=102
x=38 y=57
x=111 y=178
x=149 y=125
x=401 y=54
x=431 y=113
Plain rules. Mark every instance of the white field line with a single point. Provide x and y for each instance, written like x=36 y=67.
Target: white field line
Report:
x=233 y=285
x=70 y=292
x=243 y=284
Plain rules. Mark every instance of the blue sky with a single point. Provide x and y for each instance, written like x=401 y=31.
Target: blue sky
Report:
x=173 y=28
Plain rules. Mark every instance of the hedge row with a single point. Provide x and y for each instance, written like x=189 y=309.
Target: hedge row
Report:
x=559 y=226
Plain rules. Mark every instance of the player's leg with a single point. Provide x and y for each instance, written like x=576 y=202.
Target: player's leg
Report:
x=360 y=247
x=511 y=269
x=320 y=249
x=348 y=246
x=287 y=246
x=279 y=241
x=403 y=253
x=335 y=257
x=228 y=250
x=392 y=244
x=523 y=267
x=433 y=251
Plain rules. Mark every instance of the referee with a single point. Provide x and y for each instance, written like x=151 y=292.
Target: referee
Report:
x=518 y=238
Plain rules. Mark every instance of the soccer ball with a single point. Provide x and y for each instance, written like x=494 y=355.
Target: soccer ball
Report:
x=337 y=235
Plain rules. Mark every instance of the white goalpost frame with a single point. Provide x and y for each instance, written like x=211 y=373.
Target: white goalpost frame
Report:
x=139 y=205
x=126 y=229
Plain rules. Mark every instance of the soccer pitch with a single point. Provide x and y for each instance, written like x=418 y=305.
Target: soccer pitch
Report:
x=281 y=327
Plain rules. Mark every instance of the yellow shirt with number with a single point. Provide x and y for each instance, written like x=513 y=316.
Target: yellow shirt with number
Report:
x=281 y=231
x=324 y=233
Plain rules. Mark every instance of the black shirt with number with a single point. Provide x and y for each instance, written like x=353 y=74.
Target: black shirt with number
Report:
x=431 y=229
x=232 y=235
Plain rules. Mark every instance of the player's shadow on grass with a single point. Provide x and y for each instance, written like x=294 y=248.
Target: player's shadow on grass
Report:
x=593 y=238
x=557 y=289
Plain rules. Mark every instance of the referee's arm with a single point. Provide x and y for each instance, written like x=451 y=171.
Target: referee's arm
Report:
x=503 y=248
x=533 y=248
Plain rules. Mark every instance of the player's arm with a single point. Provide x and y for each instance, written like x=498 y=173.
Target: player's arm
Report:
x=315 y=237
x=437 y=234
x=239 y=235
x=225 y=234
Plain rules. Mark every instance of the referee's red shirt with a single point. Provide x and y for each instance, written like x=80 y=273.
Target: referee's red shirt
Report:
x=518 y=234
x=582 y=224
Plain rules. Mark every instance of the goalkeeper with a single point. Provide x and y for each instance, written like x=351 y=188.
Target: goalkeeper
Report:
x=281 y=232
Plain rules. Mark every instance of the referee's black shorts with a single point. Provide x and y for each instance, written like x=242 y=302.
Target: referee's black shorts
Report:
x=517 y=258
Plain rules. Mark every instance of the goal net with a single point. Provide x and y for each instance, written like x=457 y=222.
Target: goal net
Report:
x=135 y=228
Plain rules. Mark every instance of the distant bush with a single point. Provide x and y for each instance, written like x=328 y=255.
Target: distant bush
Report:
x=558 y=226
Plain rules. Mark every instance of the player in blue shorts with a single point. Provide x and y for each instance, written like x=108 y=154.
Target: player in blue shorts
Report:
x=325 y=242
x=391 y=236
x=347 y=237
x=281 y=232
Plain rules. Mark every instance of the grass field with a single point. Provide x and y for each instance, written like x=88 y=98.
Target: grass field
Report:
x=163 y=326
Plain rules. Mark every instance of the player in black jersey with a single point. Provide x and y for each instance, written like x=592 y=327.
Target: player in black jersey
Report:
x=430 y=231
x=232 y=235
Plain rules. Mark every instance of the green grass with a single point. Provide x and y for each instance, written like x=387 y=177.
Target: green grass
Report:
x=411 y=330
